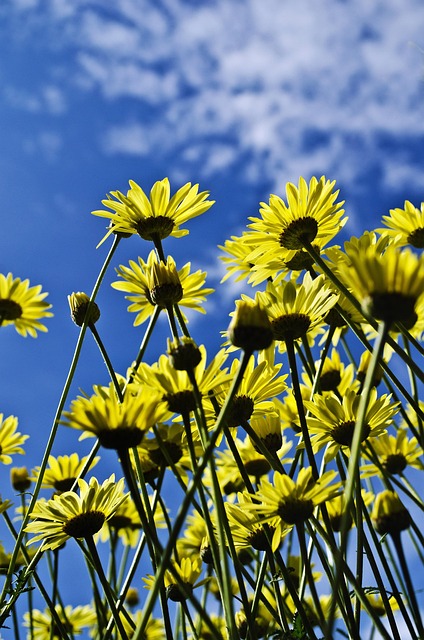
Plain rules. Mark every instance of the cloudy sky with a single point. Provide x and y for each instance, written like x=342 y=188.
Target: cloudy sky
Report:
x=238 y=95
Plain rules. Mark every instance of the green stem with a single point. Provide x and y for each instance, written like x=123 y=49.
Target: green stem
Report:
x=413 y=603
x=107 y=361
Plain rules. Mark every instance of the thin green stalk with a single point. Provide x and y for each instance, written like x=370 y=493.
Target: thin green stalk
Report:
x=143 y=345
x=107 y=361
x=413 y=603
x=6 y=608
x=307 y=568
x=355 y=451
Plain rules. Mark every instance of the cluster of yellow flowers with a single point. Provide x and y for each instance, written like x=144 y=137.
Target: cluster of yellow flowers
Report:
x=255 y=464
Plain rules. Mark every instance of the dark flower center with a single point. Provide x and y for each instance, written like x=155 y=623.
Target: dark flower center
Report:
x=9 y=309
x=240 y=411
x=257 y=467
x=391 y=307
x=343 y=433
x=330 y=380
x=334 y=319
x=181 y=402
x=121 y=437
x=258 y=539
x=173 y=452
x=152 y=228
x=272 y=442
x=174 y=593
x=295 y=510
x=165 y=294
x=65 y=484
x=122 y=522
x=301 y=260
x=416 y=238
x=299 y=233
x=85 y=524
x=395 y=463
x=290 y=326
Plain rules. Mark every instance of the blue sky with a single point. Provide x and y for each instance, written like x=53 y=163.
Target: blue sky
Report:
x=238 y=95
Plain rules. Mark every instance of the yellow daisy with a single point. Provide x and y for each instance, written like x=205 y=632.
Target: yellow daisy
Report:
x=154 y=629
x=311 y=216
x=405 y=226
x=246 y=530
x=261 y=382
x=22 y=305
x=388 y=284
x=292 y=501
x=155 y=217
x=174 y=386
x=137 y=283
x=188 y=571
x=76 y=516
x=74 y=620
x=62 y=472
x=332 y=420
x=118 y=425
x=236 y=262
x=297 y=309
x=394 y=453
x=10 y=439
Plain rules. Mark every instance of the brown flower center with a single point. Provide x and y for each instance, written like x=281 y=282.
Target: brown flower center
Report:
x=330 y=380
x=395 y=463
x=181 y=402
x=121 y=437
x=391 y=306
x=299 y=233
x=85 y=524
x=416 y=238
x=173 y=452
x=165 y=294
x=9 y=309
x=290 y=326
x=65 y=484
x=343 y=433
x=240 y=411
x=152 y=228
x=295 y=510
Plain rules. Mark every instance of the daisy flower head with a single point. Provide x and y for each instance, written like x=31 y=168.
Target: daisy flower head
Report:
x=20 y=479
x=10 y=439
x=76 y=516
x=174 y=386
x=394 y=453
x=118 y=425
x=332 y=420
x=62 y=472
x=312 y=216
x=250 y=328
x=297 y=309
x=292 y=501
x=22 y=305
x=152 y=283
x=236 y=261
x=388 y=284
x=73 y=619
x=79 y=304
x=157 y=216
x=180 y=582
x=246 y=530
x=405 y=226
x=389 y=514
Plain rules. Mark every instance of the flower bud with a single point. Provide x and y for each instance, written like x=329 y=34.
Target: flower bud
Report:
x=250 y=328
x=184 y=354
x=19 y=479
x=79 y=304
x=164 y=283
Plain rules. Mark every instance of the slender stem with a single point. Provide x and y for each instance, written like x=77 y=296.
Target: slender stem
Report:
x=107 y=361
x=397 y=541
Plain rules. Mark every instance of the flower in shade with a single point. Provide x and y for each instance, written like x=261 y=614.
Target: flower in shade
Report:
x=332 y=420
x=180 y=582
x=292 y=501
x=19 y=479
x=10 y=439
x=62 y=472
x=22 y=305
x=182 y=287
x=246 y=530
x=388 y=284
x=312 y=216
x=405 y=226
x=155 y=217
x=70 y=515
x=73 y=619
x=393 y=453
x=297 y=309
x=118 y=425
x=250 y=328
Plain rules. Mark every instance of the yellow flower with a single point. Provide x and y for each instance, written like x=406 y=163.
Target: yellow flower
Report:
x=137 y=282
x=297 y=309
x=19 y=479
x=249 y=532
x=62 y=472
x=179 y=583
x=405 y=226
x=389 y=515
x=388 y=284
x=10 y=439
x=238 y=250
x=22 y=305
x=175 y=387
x=76 y=516
x=292 y=501
x=79 y=303
x=250 y=328
x=118 y=425
x=394 y=453
x=155 y=217
x=74 y=619
x=154 y=629
x=332 y=421
x=311 y=216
